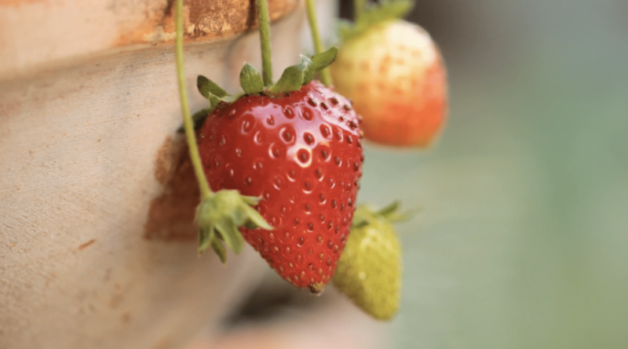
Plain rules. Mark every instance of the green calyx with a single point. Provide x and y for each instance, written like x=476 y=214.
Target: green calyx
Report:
x=372 y=14
x=207 y=87
x=252 y=83
x=220 y=214
x=251 y=80
x=294 y=77
x=219 y=217
x=364 y=214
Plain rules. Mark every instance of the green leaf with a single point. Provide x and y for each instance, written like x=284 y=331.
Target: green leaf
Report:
x=220 y=250
x=291 y=79
x=385 y=10
x=391 y=208
x=200 y=116
x=256 y=220
x=213 y=101
x=359 y=223
x=364 y=214
x=251 y=200
x=322 y=60
x=308 y=75
x=230 y=234
x=392 y=213
x=205 y=237
x=250 y=80
x=206 y=86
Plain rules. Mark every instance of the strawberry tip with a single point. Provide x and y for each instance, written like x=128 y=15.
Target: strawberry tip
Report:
x=316 y=288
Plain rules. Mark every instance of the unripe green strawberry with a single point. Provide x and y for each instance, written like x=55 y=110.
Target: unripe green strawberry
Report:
x=394 y=73
x=369 y=270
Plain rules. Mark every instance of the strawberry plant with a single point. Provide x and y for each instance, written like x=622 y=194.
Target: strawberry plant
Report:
x=394 y=73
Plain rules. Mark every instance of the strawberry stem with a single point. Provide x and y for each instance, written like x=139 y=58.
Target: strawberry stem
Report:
x=318 y=44
x=264 y=33
x=185 y=108
x=358 y=9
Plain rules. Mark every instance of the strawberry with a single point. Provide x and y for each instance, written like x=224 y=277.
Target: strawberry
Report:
x=369 y=271
x=301 y=153
x=394 y=73
x=292 y=150
x=287 y=153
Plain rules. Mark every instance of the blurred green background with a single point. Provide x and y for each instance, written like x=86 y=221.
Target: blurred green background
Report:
x=522 y=237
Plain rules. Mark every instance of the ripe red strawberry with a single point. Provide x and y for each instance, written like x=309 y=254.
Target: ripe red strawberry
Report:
x=301 y=153
x=394 y=73
x=291 y=149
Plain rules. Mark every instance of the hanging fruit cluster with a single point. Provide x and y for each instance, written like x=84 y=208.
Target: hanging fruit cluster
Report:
x=279 y=164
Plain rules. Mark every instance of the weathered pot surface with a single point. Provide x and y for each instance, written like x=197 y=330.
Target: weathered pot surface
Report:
x=88 y=114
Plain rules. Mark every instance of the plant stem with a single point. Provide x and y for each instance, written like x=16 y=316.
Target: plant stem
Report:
x=318 y=45
x=358 y=9
x=264 y=33
x=185 y=108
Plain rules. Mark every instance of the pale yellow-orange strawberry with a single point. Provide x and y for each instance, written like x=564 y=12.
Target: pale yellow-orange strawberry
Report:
x=394 y=73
